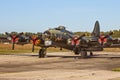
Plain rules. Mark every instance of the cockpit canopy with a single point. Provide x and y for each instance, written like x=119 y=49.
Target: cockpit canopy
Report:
x=61 y=28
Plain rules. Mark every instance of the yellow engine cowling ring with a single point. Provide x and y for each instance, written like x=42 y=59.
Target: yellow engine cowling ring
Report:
x=37 y=42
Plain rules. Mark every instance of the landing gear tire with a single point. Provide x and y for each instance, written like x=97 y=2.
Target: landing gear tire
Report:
x=42 y=53
x=83 y=54
x=91 y=53
x=76 y=51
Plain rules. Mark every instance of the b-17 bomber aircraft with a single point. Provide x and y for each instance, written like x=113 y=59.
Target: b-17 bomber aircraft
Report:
x=60 y=37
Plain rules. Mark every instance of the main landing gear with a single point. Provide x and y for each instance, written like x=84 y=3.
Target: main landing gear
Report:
x=78 y=51
x=42 y=52
x=83 y=54
x=91 y=53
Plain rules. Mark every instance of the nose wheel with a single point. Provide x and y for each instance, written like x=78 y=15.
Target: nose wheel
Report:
x=42 y=53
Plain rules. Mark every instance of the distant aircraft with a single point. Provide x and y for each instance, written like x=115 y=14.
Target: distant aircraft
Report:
x=17 y=39
x=60 y=37
x=3 y=40
x=22 y=39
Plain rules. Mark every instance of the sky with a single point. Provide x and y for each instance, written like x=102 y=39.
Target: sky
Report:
x=75 y=15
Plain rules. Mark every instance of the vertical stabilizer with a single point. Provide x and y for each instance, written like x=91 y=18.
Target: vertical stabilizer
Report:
x=96 y=31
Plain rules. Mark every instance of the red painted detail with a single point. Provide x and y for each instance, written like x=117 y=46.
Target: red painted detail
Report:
x=102 y=39
x=34 y=41
x=75 y=41
x=14 y=39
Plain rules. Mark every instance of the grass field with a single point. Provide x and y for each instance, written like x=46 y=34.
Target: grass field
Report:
x=6 y=49
x=116 y=69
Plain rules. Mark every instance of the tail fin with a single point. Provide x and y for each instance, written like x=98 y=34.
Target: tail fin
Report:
x=96 y=31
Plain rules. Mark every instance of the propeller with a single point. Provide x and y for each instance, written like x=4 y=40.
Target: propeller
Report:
x=36 y=40
x=75 y=39
x=103 y=39
x=13 y=37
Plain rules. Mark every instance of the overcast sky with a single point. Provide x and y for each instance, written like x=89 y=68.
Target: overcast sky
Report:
x=75 y=15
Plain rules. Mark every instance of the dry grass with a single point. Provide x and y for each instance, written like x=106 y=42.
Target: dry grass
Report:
x=6 y=48
x=116 y=69
x=112 y=49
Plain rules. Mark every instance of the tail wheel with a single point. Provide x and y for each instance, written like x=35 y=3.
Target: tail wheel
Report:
x=42 y=53
x=83 y=54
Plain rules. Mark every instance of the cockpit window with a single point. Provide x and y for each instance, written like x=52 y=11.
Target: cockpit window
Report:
x=47 y=32
x=60 y=28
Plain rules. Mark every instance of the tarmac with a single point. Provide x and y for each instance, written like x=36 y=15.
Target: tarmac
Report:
x=60 y=66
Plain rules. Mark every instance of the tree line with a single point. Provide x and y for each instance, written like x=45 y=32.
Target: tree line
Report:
x=116 y=33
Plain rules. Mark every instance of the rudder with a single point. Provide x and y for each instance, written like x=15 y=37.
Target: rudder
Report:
x=96 y=30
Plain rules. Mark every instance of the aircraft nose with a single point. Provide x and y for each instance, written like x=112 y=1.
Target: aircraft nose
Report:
x=47 y=34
